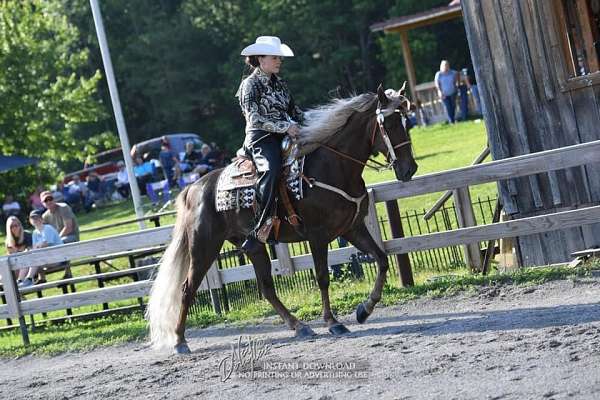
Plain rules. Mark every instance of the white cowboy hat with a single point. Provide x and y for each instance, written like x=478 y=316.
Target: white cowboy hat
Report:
x=268 y=46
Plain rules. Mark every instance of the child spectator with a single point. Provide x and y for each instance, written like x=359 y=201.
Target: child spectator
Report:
x=18 y=240
x=44 y=235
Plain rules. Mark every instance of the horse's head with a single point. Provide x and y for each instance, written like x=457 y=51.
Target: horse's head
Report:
x=391 y=135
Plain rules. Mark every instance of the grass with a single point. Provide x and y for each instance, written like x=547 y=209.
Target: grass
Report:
x=345 y=296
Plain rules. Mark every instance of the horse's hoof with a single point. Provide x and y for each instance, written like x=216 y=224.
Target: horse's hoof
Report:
x=304 y=332
x=338 y=329
x=181 y=348
x=361 y=313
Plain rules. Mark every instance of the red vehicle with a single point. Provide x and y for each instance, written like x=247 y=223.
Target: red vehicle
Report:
x=104 y=164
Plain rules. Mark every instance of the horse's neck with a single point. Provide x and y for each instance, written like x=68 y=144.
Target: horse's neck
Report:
x=353 y=141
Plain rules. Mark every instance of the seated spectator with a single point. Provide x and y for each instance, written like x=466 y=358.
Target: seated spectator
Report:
x=145 y=172
x=10 y=206
x=207 y=161
x=18 y=240
x=218 y=155
x=44 y=235
x=61 y=217
x=96 y=188
x=191 y=158
x=35 y=202
x=169 y=161
x=122 y=183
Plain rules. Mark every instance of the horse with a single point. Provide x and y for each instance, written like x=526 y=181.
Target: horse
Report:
x=337 y=141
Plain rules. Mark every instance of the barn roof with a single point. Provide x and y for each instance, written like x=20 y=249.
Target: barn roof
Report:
x=408 y=22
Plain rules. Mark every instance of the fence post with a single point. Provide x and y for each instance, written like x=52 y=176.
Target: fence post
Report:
x=466 y=218
x=12 y=297
x=286 y=267
x=371 y=220
x=213 y=279
x=406 y=275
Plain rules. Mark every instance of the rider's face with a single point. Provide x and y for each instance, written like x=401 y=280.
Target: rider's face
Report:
x=270 y=64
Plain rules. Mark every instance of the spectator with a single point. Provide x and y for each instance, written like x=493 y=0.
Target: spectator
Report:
x=95 y=187
x=446 y=80
x=191 y=158
x=168 y=161
x=463 y=88
x=145 y=172
x=34 y=200
x=10 y=206
x=207 y=163
x=44 y=235
x=218 y=155
x=18 y=240
x=61 y=217
x=122 y=180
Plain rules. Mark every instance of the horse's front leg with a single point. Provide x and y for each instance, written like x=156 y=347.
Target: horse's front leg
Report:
x=319 y=252
x=360 y=237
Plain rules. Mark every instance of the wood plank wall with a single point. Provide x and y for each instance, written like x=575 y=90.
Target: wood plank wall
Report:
x=516 y=47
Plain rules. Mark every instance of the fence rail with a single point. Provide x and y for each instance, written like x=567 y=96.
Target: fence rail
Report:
x=287 y=262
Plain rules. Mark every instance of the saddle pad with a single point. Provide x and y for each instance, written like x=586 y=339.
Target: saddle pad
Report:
x=240 y=193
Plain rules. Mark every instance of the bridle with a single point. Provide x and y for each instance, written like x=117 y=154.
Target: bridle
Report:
x=390 y=157
x=391 y=154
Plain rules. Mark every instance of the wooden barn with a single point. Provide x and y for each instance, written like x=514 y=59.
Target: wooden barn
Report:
x=537 y=64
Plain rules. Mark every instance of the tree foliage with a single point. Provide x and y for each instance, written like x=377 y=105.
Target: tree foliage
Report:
x=178 y=65
x=44 y=100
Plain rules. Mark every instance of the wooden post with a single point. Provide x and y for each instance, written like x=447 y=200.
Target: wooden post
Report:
x=371 y=220
x=213 y=278
x=100 y=281
x=408 y=63
x=12 y=298
x=466 y=218
x=406 y=275
x=286 y=267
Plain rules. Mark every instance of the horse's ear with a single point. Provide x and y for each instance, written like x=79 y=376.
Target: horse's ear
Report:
x=402 y=89
x=383 y=99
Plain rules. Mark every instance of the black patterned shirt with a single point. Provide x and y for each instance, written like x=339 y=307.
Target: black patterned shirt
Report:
x=267 y=106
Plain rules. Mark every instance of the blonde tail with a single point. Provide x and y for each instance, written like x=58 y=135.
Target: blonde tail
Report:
x=166 y=294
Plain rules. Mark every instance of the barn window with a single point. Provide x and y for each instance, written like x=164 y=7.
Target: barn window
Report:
x=579 y=21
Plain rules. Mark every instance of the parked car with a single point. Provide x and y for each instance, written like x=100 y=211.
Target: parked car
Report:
x=150 y=148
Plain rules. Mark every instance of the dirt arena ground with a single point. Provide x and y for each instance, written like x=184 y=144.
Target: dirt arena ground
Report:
x=509 y=342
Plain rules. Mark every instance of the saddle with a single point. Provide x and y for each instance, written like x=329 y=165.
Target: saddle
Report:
x=236 y=186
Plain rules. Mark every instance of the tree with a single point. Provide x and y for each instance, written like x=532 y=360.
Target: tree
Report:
x=43 y=97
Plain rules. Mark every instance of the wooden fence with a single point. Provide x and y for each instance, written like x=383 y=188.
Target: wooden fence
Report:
x=458 y=180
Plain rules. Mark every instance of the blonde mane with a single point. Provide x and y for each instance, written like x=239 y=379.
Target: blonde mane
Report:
x=323 y=122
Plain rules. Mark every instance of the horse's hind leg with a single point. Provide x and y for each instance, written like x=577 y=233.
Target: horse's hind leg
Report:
x=319 y=252
x=262 y=268
x=360 y=237
x=205 y=245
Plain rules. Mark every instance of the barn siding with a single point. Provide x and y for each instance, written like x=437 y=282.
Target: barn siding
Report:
x=517 y=57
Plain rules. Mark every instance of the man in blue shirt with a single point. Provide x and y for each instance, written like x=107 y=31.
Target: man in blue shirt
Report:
x=446 y=80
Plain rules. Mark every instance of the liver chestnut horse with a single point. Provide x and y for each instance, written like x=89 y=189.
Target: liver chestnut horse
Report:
x=338 y=140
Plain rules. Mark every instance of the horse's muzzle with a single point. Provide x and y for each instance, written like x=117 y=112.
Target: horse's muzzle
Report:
x=405 y=170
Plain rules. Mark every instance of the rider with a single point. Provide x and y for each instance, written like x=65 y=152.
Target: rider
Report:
x=270 y=114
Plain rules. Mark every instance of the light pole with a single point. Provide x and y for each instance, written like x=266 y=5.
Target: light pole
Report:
x=116 y=103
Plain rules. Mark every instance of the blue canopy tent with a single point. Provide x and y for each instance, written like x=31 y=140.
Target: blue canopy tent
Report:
x=8 y=163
